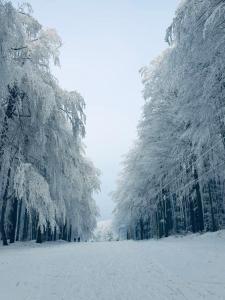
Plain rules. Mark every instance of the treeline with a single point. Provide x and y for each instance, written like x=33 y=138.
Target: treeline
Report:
x=173 y=180
x=46 y=182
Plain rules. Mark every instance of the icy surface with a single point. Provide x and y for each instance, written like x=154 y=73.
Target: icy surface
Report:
x=191 y=267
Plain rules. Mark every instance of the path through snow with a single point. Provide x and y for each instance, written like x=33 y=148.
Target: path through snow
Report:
x=192 y=267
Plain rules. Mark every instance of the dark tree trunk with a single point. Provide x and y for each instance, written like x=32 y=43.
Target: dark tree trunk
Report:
x=9 y=114
x=70 y=234
x=18 y=221
x=13 y=220
x=49 y=232
x=141 y=229
x=4 y=206
x=54 y=237
x=14 y=93
x=34 y=225
x=192 y=215
x=211 y=208
x=65 y=232
x=199 y=217
x=26 y=225
x=39 y=236
x=61 y=232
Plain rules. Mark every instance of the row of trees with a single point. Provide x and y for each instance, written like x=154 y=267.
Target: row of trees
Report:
x=173 y=180
x=46 y=182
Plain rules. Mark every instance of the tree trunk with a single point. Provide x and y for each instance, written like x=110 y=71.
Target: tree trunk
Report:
x=49 y=232
x=26 y=225
x=13 y=220
x=39 y=236
x=54 y=236
x=70 y=234
x=4 y=206
x=211 y=208
x=65 y=232
x=34 y=225
x=11 y=105
x=18 y=222
x=199 y=217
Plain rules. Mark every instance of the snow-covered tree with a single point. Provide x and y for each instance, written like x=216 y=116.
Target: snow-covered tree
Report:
x=46 y=182
x=173 y=179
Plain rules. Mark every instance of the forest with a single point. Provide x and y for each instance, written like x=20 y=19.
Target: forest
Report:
x=173 y=179
x=46 y=181
x=165 y=238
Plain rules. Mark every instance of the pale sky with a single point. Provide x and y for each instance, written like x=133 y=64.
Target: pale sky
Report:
x=105 y=43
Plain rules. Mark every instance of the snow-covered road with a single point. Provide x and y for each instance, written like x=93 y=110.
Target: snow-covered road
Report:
x=175 y=268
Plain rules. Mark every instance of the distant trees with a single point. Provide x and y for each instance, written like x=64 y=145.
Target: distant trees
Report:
x=104 y=232
x=173 y=180
x=46 y=182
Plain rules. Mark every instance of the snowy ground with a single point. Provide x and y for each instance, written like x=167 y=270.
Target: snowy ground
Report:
x=192 y=267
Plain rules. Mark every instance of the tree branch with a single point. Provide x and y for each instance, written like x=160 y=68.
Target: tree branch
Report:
x=24 y=47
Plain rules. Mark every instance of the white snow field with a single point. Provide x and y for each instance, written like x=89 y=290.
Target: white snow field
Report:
x=191 y=267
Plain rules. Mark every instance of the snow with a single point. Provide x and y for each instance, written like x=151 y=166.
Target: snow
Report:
x=191 y=267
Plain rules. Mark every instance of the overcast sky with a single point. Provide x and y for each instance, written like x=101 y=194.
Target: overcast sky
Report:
x=105 y=43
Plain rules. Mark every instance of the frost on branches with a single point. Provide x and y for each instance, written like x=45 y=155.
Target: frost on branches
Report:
x=173 y=180
x=46 y=182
